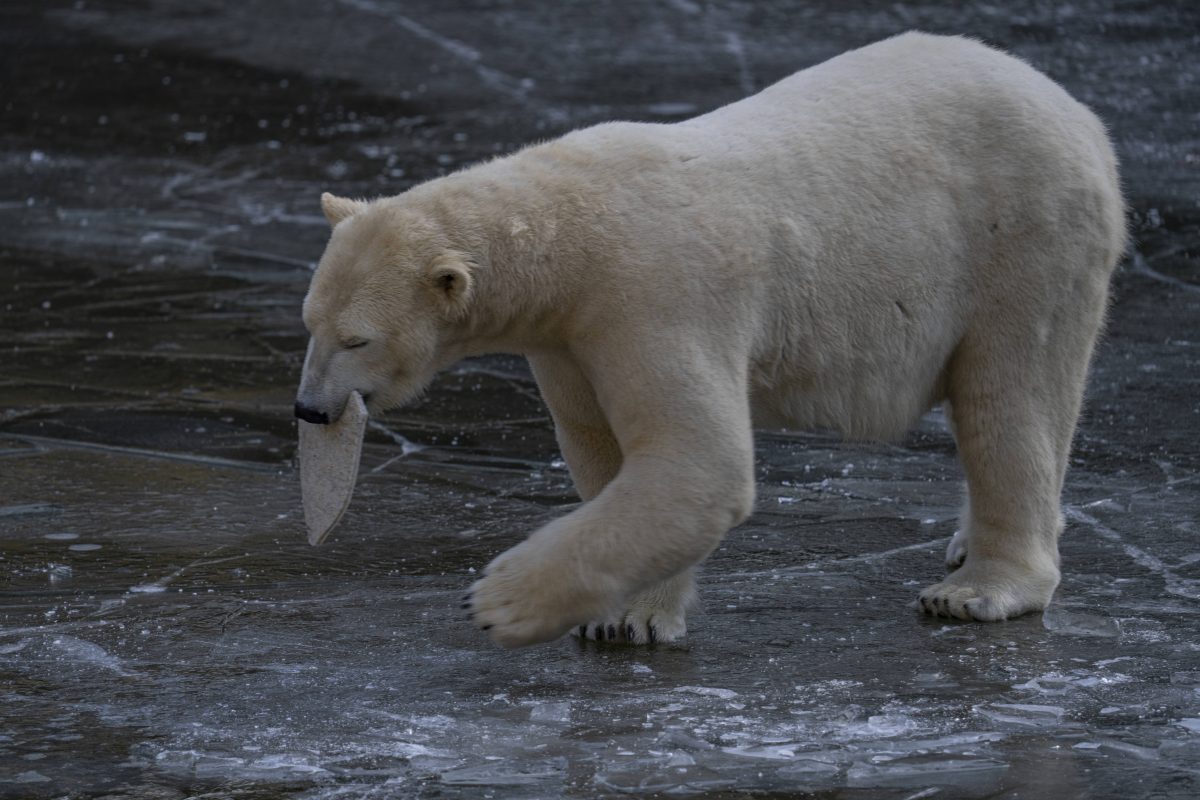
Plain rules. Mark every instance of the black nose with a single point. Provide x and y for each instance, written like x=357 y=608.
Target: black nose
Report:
x=311 y=415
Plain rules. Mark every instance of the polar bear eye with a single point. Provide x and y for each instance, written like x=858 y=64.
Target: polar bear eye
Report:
x=354 y=344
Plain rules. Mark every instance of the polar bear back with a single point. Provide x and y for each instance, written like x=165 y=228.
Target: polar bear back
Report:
x=839 y=234
x=859 y=217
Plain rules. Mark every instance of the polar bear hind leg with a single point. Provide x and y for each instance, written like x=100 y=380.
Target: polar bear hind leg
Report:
x=1014 y=396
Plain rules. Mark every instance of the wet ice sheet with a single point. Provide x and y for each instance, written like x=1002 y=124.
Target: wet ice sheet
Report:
x=199 y=646
x=165 y=631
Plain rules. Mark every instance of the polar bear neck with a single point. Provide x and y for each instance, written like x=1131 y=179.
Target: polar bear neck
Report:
x=518 y=227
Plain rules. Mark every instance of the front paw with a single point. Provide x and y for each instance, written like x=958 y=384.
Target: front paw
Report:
x=535 y=593
x=659 y=614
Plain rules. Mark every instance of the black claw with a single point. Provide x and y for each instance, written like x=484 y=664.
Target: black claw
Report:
x=653 y=634
x=466 y=598
x=485 y=628
x=629 y=632
x=465 y=605
x=612 y=632
x=599 y=633
x=583 y=631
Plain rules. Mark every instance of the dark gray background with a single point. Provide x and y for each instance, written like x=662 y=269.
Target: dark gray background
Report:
x=165 y=632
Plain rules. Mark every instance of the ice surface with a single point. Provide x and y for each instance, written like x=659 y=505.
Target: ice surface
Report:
x=551 y=712
x=166 y=632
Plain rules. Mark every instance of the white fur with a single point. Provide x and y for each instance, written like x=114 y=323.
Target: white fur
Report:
x=922 y=220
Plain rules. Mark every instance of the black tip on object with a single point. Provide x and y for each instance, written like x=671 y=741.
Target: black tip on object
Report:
x=465 y=605
x=599 y=633
x=653 y=633
x=583 y=631
x=485 y=628
x=612 y=632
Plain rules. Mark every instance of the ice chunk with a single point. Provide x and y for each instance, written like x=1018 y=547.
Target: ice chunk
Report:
x=923 y=769
x=551 y=712
x=774 y=752
x=811 y=764
x=1074 y=623
x=30 y=777
x=503 y=773
x=81 y=651
x=1026 y=715
x=708 y=691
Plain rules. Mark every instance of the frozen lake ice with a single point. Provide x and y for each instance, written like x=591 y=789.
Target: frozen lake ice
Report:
x=166 y=631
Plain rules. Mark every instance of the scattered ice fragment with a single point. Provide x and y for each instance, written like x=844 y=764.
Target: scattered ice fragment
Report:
x=84 y=548
x=885 y=725
x=37 y=156
x=551 y=712
x=707 y=691
x=1107 y=503
x=61 y=537
x=30 y=777
x=81 y=651
x=499 y=773
x=772 y=752
x=1074 y=623
x=920 y=770
x=1106 y=662
x=148 y=588
x=195 y=137
x=641 y=669
x=1025 y=715
x=810 y=764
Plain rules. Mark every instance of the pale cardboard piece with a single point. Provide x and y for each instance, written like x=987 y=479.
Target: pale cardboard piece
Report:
x=329 y=456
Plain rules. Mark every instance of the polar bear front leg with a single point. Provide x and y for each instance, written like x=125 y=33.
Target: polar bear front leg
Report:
x=686 y=477
x=584 y=435
x=657 y=614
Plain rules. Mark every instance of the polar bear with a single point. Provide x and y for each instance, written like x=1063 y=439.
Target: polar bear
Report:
x=924 y=220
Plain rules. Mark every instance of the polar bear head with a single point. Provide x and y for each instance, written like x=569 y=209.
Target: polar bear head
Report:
x=384 y=300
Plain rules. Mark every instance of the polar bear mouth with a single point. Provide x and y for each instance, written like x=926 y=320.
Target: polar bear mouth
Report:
x=311 y=415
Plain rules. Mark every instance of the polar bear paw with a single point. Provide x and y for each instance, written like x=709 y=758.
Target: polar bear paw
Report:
x=657 y=615
x=956 y=551
x=990 y=590
x=531 y=594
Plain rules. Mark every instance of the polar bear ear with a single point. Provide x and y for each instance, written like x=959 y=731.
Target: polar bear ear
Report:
x=449 y=276
x=338 y=208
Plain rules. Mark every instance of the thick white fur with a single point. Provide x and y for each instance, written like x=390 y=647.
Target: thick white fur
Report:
x=922 y=220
